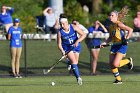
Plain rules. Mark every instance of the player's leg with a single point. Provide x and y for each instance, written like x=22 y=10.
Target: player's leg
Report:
x=74 y=62
x=127 y=61
x=18 y=52
x=95 y=54
x=79 y=79
x=115 y=71
x=13 y=56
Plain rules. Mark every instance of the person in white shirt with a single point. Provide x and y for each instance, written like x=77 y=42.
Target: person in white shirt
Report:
x=51 y=21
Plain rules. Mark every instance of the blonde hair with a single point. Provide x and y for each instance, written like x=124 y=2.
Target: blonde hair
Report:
x=123 y=13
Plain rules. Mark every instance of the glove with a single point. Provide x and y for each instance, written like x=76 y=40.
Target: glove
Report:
x=125 y=42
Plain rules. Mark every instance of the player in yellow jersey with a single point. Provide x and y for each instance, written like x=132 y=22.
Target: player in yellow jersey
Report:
x=118 y=50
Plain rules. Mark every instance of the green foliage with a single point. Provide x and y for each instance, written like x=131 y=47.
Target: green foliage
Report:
x=25 y=10
x=73 y=10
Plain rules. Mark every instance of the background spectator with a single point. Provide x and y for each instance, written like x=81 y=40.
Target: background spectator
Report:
x=5 y=17
x=51 y=22
x=95 y=29
x=137 y=22
x=14 y=35
x=75 y=22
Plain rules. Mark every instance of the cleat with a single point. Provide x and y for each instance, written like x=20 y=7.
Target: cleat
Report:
x=93 y=74
x=130 y=64
x=15 y=76
x=79 y=81
x=19 y=76
x=117 y=82
x=69 y=67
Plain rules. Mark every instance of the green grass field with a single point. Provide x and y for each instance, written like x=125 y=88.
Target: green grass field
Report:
x=42 y=54
x=68 y=84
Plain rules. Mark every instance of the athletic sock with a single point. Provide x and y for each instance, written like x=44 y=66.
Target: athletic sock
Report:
x=116 y=73
x=75 y=70
x=124 y=62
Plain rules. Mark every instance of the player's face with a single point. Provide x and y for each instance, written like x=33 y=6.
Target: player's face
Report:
x=65 y=25
x=16 y=24
x=113 y=17
x=3 y=9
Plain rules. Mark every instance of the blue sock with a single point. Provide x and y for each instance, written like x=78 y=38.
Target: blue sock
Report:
x=75 y=70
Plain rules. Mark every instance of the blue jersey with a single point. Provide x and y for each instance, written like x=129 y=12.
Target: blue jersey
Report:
x=15 y=40
x=6 y=18
x=94 y=41
x=69 y=38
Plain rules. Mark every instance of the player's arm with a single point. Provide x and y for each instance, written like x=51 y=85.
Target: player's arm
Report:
x=59 y=43
x=81 y=33
x=127 y=28
x=109 y=39
x=11 y=10
x=105 y=30
x=84 y=29
x=9 y=34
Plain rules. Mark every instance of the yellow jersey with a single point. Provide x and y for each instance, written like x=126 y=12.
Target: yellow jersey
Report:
x=116 y=33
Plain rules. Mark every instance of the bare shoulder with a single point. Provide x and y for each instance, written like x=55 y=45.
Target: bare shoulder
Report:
x=121 y=25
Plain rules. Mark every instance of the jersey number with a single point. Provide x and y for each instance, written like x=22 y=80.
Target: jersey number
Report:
x=70 y=40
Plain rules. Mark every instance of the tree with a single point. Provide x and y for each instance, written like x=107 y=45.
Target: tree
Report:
x=96 y=6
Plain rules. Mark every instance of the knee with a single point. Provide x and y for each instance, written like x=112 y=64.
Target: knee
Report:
x=95 y=58
x=115 y=65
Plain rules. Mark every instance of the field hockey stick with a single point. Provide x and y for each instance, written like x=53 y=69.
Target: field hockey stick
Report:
x=46 y=72
x=100 y=46
x=106 y=45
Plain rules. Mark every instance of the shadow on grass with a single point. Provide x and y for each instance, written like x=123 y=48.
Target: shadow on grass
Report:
x=61 y=68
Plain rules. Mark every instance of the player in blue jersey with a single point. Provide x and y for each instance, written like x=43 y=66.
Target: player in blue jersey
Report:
x=96 y=29
x=67 y=40
x=14 y=35
x=75 y=22
x=5 y=17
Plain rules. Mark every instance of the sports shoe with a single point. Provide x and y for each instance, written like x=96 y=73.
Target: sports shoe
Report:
x=15 y=76
x=117 y=82
x=130 y=64
x=93 y=74
x=19 y=76
x=79 y=81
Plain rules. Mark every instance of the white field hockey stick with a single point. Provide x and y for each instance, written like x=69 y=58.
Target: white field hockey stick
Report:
x=46 y=72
